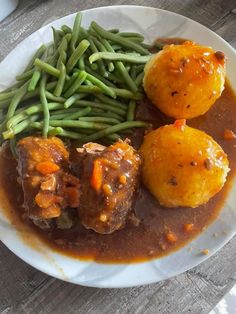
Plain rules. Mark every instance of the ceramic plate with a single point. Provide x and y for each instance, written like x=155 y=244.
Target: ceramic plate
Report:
x=151 y=23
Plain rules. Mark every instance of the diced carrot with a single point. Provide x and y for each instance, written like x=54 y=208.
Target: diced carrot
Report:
x=229 y=134
x=171 y=237
x=188 y=227
x=180 y=124
x=96 y=179
x=47 y=167
x=123 y=179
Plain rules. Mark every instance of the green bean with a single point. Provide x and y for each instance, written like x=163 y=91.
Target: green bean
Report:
x=70 y=134
x=131 y=110
x=78 y=124
x=114 y=30
x=114 y=129
x=9 y=134
x=139 y=68
x=81 y=64
x=62 y=52
x=52 y=60
x=16 y=100
x=106 y=114
x=78 y=114
x=81 y=76
x=124 y=42
x=59 y=116
x=51 y=131
x=55 y=98
x=114 y=78
x=106 y=89
x=121 y=68
x=101 y=66
x=7 y=95
x=22 y=114
x=94 y=66
x=55 y=131
x=75 y=31
x=102 y=48
x=131 y=34
x=62 y=114
x=139 y=79
x=100 y=119
x=66 y=29
x=34 y=80
x=85 y=103
x=50 y=50
x=99 y=76
x=39 y=53
x=47 y=68
x=70 y=101
x=116 y=47
x=135 y=40
x=70 y=81
x=61 y=81
x=124 y=93
x=56 y=36
x=133 y=72
x=39 y=108
x=25 y=76
x=83 y=34
x=89 y=89
x=79 y=51
x=43 y=98
x=111 y=102
x=118 y=56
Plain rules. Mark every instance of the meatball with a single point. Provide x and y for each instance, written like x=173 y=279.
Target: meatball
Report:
x=184 y=81
x=182 y=166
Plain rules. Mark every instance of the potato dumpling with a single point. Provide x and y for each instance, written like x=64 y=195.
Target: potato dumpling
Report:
x=182 y=166
x=184 y=81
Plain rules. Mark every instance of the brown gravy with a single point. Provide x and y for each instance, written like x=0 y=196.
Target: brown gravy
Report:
x=148 y=240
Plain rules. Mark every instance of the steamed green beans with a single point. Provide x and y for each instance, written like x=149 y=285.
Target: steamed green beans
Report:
x=84 y=86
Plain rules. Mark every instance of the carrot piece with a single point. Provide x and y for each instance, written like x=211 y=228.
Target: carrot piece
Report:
x=180 y=124
x=229 y=134
x=123 y=179
x=188 y=227
x=171 y=237
x=47 y=167
x=96 y=179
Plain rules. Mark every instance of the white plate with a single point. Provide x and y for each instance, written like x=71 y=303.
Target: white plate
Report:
x=151 y=23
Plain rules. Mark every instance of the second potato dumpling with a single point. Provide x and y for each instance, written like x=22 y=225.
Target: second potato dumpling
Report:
x=182 y=166
x=184 y=81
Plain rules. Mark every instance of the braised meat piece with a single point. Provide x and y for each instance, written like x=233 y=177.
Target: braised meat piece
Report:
x=48 y=187
x=109 y=179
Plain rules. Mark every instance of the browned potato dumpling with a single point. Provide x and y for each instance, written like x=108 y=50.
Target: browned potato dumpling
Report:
x=184 y=81
x=182 y=166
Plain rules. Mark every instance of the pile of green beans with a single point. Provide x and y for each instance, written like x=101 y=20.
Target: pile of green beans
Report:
x=83 y=86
